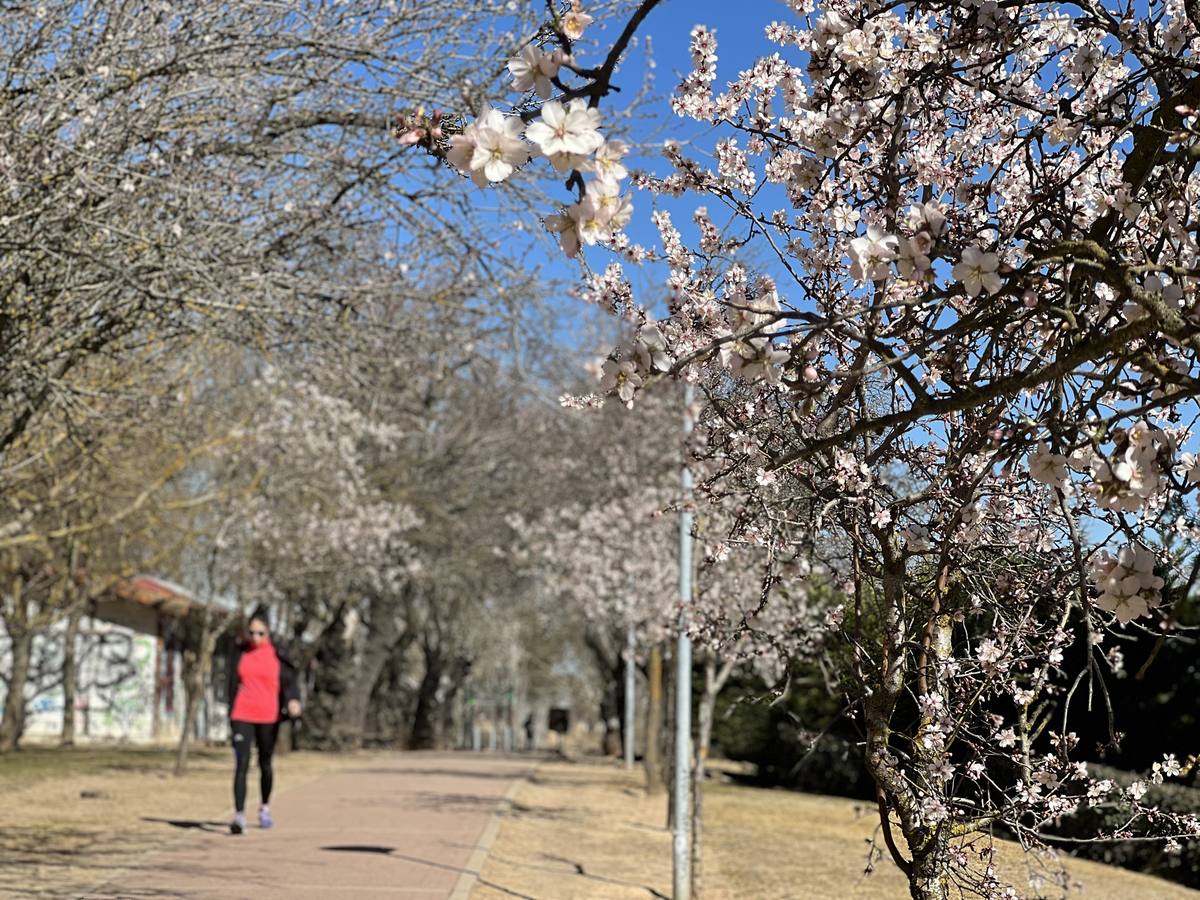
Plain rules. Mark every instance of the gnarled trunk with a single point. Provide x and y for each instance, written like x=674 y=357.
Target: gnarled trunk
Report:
x=930 y=876
x=348 y=724
x=927 y=868
x=200 y=634
x=424 y=723
x=652 y=761
x=20 y=637
x=70 y=674
x=12 y=725
x=193 y=689
x=348 y=667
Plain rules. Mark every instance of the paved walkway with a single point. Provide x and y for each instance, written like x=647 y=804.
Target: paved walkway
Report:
x=413 y=825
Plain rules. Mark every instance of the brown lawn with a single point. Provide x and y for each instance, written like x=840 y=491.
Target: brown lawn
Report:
x=72 y=819
x=587 y=830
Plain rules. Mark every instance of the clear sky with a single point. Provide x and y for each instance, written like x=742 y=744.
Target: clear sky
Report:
x=740 y=36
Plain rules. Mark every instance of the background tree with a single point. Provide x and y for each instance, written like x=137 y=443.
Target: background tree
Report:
x=967 y=353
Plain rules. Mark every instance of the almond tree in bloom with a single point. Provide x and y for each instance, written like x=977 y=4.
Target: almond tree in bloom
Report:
x=755 y=606
x=612 y=562
x=317 y=538
x=221 y=168
x=610 y=559
x=961 y=368
x=601 y=548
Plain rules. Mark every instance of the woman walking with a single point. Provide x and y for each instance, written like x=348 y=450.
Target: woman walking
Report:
x=262 y=692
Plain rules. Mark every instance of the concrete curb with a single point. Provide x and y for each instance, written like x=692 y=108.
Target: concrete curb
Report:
x=470 y=876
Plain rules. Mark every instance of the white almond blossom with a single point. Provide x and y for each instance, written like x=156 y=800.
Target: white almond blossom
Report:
x=498 y=153
x=977 y=272
x=1189 y=464
x=620 y=378
x=498 y=136
x=615 y=209
x=566 y=226
x=574 y=22
x=754 y=358
x=1127 y=583
x=845 y=217
x=651 y=348
x=533 y=70
x=871 y=255
x=570 y=129
x=607 y=161
x=592 y=221
x=1048 y=468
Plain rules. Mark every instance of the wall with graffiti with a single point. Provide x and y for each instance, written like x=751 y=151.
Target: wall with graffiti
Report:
x=129 y=687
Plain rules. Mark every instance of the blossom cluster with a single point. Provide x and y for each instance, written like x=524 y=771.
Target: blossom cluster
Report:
x=946 y=276
x=1126 y=480
x=566 y=133
x=1127 y=582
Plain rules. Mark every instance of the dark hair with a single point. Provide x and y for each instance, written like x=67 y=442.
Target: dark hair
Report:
x=262 y=614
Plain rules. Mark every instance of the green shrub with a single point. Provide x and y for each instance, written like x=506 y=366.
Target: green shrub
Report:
x=786 y=741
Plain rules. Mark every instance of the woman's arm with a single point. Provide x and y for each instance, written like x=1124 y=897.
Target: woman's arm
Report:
x=231 y=676
x=289 y=688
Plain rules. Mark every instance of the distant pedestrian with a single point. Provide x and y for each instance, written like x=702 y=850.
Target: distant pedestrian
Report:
x=262 y=692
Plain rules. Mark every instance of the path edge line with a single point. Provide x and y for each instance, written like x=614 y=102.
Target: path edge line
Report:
x=470 y=876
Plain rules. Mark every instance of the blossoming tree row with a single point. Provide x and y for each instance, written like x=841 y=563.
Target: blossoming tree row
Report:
x=957 y=364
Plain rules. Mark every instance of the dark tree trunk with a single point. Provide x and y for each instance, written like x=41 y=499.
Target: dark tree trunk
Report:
x=455 y=679
x=333 y=662
x=200 y=641
x=12 y=725
x=424 y=723
x=610 y=668
x=652 y=761
x=347 y=672
x=348 y=724
x=193 y=689
x=390 y=708
x=70 y=674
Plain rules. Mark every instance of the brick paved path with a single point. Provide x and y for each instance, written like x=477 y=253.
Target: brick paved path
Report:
x=412 y=825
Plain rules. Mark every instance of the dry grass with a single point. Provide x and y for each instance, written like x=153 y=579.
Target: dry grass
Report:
x=586 y=830
x=72 y=819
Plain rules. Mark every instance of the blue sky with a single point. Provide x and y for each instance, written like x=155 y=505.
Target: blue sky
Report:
x=739 y=29
x=740 y=40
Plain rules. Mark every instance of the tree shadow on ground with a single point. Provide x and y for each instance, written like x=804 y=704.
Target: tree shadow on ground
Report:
x=553 y=813
x=576 y=869
x=77 y=870
x=502 y=889
x=434 y=773
x=583 y=873
x=453 y=802
x=390 y=852
x=554 y=781
x=190 y=824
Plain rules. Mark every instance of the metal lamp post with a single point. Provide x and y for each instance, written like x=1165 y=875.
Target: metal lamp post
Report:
x=630 y=704
x=681 y=862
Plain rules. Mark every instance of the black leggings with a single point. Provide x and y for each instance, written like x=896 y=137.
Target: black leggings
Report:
x=264 y=735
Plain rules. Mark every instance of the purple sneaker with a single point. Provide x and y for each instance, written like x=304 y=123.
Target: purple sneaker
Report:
x=264 y=818
x=238 y=825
